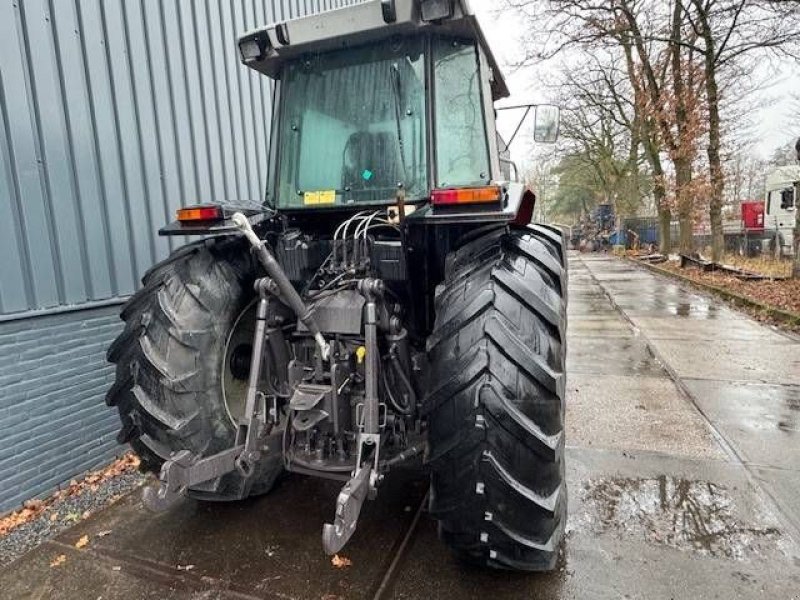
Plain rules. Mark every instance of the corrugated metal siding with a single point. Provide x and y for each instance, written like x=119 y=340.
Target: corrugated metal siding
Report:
x=112 y=114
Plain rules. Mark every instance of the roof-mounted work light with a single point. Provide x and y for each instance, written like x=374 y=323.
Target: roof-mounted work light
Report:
x=389 y=11
x=436 y=10
x=254 y=47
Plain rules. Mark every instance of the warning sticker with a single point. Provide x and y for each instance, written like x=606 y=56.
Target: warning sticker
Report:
x=319 y=197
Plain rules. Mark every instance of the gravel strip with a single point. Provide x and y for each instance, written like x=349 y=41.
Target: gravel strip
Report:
x=68 y=511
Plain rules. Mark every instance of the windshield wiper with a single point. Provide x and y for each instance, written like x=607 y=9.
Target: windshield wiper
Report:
x=397 y=89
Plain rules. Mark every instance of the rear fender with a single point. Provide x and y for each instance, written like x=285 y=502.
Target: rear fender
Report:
x=525 y=210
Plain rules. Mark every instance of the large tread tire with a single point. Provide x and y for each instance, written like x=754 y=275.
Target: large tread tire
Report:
x=496 y=401
x=169 y=360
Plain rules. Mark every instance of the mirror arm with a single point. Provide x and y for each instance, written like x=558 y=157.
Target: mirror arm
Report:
x=527 y=108
x=519 y=126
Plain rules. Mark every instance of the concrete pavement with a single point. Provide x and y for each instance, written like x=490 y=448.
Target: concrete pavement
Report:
x=683 y=431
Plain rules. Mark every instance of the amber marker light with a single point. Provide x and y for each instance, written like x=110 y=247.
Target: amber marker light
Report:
x=200 y=213
x=477 y=195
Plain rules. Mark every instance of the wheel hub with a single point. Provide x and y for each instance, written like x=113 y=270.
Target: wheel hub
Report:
x=236 y=363
x=240 y=362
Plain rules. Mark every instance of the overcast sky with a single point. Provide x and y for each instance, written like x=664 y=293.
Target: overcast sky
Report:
x=771 y=130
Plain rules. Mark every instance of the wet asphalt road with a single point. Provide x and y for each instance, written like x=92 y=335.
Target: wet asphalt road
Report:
x=683 y=468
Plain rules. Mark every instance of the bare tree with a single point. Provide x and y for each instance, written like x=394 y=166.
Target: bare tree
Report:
x=600 y=125
x=669 y=77
x=663 y=76
x=745 y=176
x=729 y=33
x=648 y=134
x=682 y=59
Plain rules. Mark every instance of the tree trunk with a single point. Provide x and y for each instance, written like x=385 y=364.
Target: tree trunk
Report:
x=717 y=184
x=686 y=234
x=683 y=179
x=648 y=133
x=664 y=218
x=683 y=151
x=714 y=137
x=665 y=231
x=717 y=234
x=796 y=260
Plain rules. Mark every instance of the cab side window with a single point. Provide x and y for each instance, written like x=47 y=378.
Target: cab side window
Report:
x=462 y=152
x=787 y=199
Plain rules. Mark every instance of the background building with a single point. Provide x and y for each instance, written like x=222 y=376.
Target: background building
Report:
x=113 y=113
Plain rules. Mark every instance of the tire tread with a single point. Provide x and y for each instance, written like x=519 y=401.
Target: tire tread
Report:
x=496 y=415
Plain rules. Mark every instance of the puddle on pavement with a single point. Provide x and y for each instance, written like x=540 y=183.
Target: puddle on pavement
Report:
x=701 y=309
x=697 y=516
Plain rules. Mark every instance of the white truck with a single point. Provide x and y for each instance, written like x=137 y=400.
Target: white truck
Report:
x=780 y=211
x=768 y=225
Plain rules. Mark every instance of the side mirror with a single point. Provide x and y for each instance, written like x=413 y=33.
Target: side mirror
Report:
x=546 y=124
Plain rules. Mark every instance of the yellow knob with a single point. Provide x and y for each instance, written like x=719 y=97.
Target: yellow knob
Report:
x=361 y=352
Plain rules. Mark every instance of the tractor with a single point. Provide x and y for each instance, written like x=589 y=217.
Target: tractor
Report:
x=388 y=301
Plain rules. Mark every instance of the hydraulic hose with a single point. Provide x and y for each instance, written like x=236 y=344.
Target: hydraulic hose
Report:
x=285 y=287
x=412 y=395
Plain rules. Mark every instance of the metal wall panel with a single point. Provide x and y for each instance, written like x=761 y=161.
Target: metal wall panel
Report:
x=113 y=113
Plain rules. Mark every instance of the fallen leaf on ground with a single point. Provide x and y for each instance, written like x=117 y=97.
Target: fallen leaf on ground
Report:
x=83 y=542
x=341 y=562
x=33 y=504
x=59 y=560
x=54 y=517
x=783 y=294
x=34 y=507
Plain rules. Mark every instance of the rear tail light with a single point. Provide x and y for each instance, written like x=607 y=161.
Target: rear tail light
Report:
x=200 y=213
x=478 y=195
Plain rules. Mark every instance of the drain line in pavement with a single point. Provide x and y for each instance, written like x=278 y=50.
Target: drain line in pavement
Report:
x=388 y=577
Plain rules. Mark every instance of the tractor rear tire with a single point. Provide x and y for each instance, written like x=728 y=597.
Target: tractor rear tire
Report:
x=496 y=404
x=169 y=362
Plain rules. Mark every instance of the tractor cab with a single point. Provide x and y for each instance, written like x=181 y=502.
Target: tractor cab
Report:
x=377 y=97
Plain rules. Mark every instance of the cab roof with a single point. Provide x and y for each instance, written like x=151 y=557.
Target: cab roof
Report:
x=267 y=49
x=780 y=176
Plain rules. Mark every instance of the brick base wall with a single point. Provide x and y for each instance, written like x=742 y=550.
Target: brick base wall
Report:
x=54 y=424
